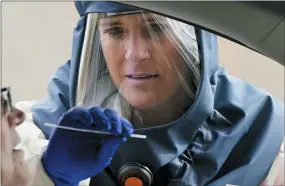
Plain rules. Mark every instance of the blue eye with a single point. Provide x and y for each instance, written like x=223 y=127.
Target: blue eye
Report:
x=156 y=27
x=153 y=29
x=114 y=31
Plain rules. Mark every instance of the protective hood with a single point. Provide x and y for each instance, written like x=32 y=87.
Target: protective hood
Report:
x=226 y=132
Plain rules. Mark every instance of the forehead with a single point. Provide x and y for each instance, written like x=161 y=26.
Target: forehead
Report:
x=127 y=18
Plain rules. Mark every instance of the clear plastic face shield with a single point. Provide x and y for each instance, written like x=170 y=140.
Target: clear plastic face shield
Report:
x=143 y=65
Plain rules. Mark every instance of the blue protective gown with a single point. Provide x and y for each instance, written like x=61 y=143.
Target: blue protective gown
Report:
x=230 y=134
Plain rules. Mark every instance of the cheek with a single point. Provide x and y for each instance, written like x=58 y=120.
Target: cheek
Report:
x=22 y=174
x=7 y=165
x=5 y=134
x=170 y=61
x=114 y=57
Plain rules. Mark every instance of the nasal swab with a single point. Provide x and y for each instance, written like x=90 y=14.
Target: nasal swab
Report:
x=91 y=131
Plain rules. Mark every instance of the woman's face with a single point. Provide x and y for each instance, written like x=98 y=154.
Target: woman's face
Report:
x=141 y=59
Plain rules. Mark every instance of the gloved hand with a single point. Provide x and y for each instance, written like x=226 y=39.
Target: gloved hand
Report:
x=73 y=156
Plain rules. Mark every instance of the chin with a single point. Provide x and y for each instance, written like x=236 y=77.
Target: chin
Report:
x=142 y=106
x=141 y=101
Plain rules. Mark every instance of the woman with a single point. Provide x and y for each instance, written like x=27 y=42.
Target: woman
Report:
x=203 y=126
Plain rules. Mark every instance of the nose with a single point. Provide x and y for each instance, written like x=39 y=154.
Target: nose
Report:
x=137 y=48
x=16 y=117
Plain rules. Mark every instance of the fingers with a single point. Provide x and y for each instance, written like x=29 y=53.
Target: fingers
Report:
x=106 y=120
x=128 y=128
x=100 y=119
x=109 y=120
x=116 y=126
x=78 y=113
x=108 y=150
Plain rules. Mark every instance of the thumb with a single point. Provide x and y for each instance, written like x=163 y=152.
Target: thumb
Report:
x=108 y=150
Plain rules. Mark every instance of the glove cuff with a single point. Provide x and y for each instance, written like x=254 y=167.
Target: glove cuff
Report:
x=57 y=182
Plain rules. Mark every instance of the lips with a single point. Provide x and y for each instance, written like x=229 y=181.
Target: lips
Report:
x=142 y=76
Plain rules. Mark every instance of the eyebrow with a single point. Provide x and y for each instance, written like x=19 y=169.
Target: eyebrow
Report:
x=110 y=23
x=150 y=20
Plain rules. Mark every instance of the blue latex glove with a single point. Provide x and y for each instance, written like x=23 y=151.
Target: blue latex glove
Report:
x=73 y=156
